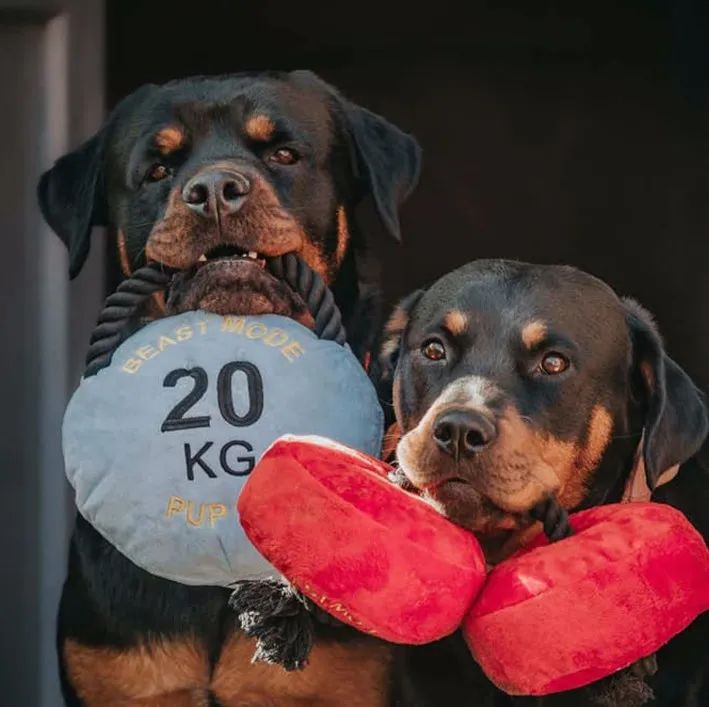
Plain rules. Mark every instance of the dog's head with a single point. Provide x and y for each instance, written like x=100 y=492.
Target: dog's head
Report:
x=212 y=175
x=514 y=381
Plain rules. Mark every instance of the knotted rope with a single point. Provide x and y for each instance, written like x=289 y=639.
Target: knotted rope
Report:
x=118 y=316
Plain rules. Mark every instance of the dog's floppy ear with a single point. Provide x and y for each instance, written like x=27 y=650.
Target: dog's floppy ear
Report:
x=384 y=364
x=72 y=195
x=72 y=200
x=676 y=422
x=386 y=162
x=394 y=332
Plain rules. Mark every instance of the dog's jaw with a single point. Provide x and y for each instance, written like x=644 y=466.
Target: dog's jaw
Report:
x=235 y=286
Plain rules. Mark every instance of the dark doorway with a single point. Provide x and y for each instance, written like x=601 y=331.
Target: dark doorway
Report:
x=552 y=131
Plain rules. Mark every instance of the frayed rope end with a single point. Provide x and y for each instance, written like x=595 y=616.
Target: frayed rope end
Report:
x=277 y=617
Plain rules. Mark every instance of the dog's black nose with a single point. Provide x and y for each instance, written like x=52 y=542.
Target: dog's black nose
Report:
x=216 y=190
x=463 y=432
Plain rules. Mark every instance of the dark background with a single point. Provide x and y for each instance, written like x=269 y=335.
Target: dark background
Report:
x=560 y=132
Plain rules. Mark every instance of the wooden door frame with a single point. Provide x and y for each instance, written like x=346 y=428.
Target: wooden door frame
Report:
x=68 y=95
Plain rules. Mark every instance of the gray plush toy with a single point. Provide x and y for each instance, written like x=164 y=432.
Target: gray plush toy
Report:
x=159 y=442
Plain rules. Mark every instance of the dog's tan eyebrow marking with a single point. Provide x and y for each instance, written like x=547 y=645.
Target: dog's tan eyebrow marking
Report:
x=456 y=322
x=533 y=333
x=169 y=139
x=260 y=127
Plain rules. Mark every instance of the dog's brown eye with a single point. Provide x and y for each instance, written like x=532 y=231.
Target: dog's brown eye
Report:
x=554 y=363
x=157 y=172
x=284 y=155
x=434 y=350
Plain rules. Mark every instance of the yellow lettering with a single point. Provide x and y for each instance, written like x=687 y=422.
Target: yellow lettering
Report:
x=190 y=509
x=216 y=511
x=277 y=337
x=132 y=365
x=175 y=504
x=183 y=333
x=256 y=330
x=147 y=352
x=202 y=326
x=293 y=351
x=233 y=324
x=164 y=342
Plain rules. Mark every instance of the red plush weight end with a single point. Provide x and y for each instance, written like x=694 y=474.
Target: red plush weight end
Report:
x=554 y=618
x=367 y=552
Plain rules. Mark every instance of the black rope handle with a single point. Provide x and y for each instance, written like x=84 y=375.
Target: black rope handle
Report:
x=553 y=517
x=315 y=293
x=121 y=307
x=119 y=310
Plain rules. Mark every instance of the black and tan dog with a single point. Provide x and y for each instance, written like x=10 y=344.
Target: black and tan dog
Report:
x=211 y=176
x=514 y=381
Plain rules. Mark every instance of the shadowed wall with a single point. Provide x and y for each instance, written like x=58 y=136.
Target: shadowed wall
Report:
x=552 y=132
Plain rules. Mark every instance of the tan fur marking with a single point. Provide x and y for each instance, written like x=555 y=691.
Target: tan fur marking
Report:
x=354 y=674
x=515 y=473
x=181 y=236
x=396 y=400
x=587 y=458
x=169 y=139
x=392 y=335
x=389 y=346
x=156 y=306
x=397 y=321
x=528 y=461
x=314 y=257
x=577 y=475
x=456 y=322
x=123 y=258
x=391 y=439
x=533 y=334
x=343 y=236
x=174 y=673
x=260 y=127
x=263 y=225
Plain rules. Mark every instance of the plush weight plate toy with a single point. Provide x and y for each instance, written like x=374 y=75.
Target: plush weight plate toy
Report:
x=557 y=617
x=372 y=555
x=159 y=443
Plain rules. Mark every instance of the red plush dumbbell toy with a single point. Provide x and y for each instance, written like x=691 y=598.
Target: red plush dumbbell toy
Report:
x=560 y=616
x=550 y=618
x=367 y=552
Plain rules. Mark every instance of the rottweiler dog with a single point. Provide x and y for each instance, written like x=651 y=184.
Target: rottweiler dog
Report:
x=511 y=382
x=211 y=176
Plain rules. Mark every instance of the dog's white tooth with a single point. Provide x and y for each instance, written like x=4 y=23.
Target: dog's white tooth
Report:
x=202 y=258
x=253 y=255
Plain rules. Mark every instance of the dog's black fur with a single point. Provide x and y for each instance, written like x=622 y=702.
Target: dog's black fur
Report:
x=291 y=159
x=497 y=323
